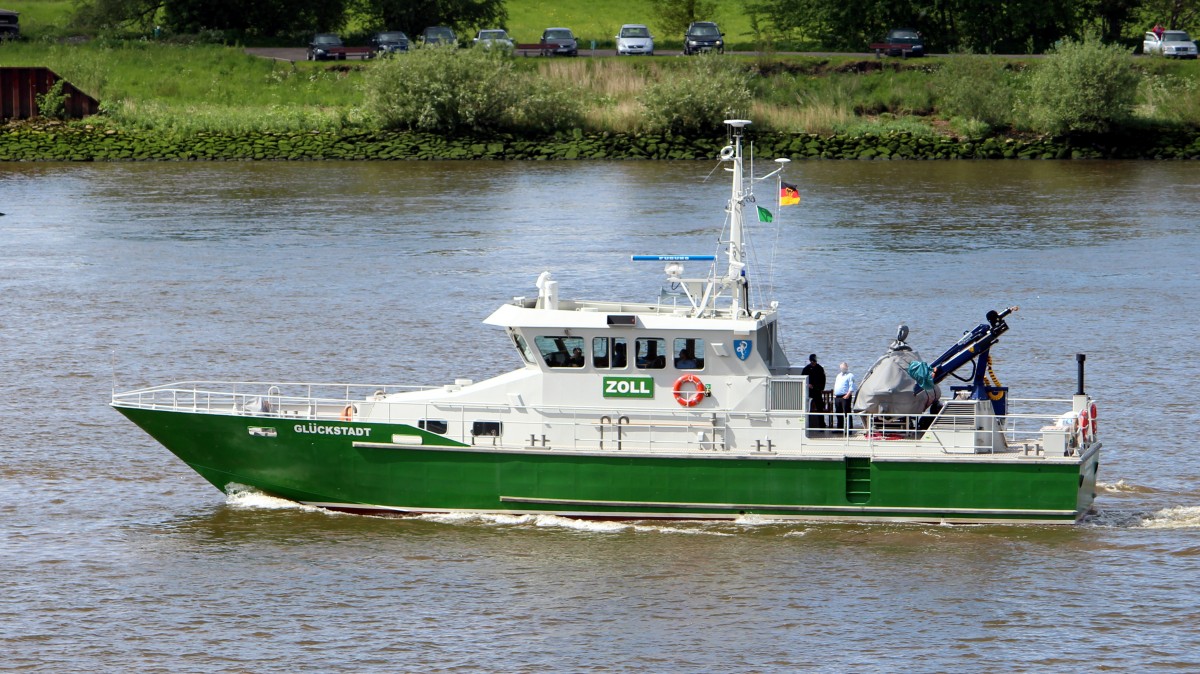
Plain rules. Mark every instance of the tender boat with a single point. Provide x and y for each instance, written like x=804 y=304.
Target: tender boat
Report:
x=685 y=407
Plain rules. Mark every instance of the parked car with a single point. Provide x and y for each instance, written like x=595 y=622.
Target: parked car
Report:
x=389 y=42
x=1173 y=44
x=494 y=38
x=323 y=46
x=703 y=36
x=436 y=35
x=10 y=28
x=564 y=38
x=634 y=38
x=901 y=42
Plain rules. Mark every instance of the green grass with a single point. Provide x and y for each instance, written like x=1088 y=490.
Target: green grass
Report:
x=206 y=87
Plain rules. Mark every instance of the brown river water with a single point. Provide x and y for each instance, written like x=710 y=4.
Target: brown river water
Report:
x=118 y=558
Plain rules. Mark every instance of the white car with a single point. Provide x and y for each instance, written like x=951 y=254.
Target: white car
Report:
x=1174 y=44
x=494 y=39
x=634 y=38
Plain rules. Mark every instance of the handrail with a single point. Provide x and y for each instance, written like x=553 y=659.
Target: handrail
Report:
x=583 y=427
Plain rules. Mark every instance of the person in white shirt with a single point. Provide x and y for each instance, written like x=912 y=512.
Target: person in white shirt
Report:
x=843 y=394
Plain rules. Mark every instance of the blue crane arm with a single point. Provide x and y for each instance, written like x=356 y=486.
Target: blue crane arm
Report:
x=973 y=344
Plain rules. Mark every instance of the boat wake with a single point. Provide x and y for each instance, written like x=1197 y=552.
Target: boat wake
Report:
x=1177 y=517
x=1173 y=517
x=244 y=497
x=569 y=523
x=1123 y=487
x=248 y=498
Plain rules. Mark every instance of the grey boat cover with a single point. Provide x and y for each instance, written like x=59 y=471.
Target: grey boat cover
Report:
x=887 y=388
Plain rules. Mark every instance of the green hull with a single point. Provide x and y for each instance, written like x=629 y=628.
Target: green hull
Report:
x=357 y=467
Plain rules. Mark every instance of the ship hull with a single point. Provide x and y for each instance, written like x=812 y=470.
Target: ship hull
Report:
x=398 y=469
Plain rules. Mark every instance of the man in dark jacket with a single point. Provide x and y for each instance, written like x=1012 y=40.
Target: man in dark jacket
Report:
x=816 y=392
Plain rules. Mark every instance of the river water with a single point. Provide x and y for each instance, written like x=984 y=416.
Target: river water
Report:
x=117 y=557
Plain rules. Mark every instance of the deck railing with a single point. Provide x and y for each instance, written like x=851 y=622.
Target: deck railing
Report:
x=667 y=429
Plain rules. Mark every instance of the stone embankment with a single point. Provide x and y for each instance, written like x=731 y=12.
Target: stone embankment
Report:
x=86 y=143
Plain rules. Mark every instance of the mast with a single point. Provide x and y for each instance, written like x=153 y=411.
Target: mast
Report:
x=735 y=277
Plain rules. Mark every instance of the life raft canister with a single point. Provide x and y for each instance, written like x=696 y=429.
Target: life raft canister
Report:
x=689 y=399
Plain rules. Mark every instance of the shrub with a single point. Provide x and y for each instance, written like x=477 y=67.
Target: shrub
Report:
x=544 y=107
x=53 y=103
x=1082 y=87
x=698 y=97
x=976 y=88
x=443 y=89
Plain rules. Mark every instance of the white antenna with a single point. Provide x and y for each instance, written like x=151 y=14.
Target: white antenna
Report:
x=735 y=276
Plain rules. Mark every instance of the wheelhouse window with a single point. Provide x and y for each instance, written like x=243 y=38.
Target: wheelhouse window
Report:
x=609 y=353
x=651 y=353
x=523 y=347
x=561 y=351
x=689 y=354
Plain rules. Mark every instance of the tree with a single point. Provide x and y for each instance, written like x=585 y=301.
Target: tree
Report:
x=674 y=16
x=138 y=14
x=1014 y=26
x=1113 y=16
x=413 y=16
x=255 y=17
x=246 y=17
x=1172 y=14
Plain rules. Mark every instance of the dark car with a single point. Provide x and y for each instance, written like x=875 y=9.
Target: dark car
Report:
x=322 y=45
x=903 y=42
x=9 y=26
x=703 y=36
x=389 y=42
x=438 y=35
x=564 y=38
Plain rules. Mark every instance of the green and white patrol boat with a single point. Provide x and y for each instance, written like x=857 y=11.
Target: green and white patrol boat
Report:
x=684 y=408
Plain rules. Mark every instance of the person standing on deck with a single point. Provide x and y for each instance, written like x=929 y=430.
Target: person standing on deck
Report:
x=843 y=393
x=816 y=392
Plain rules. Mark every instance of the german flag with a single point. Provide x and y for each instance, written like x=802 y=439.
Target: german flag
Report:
x=788 y=195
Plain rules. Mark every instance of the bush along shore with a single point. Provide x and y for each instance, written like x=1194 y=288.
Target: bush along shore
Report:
x=62 y=142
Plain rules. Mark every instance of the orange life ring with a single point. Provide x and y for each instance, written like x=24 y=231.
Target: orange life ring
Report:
x=348 y=413
x=693 y=398
x=1092 y=414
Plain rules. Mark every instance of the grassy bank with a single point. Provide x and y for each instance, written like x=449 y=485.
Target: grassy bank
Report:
x=176 y=90
x=213 y=88
x=150 y=85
